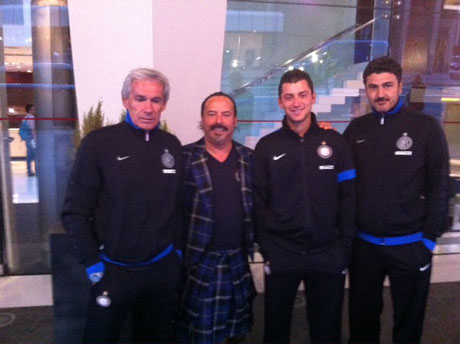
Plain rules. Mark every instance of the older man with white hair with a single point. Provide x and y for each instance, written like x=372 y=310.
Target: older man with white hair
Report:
x=122 y=213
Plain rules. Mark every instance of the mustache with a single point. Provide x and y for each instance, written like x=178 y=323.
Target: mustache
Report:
x=381 y=99
x=219 y=126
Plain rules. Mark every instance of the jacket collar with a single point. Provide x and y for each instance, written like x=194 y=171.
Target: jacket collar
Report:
x=393 y=111
x=313 y=130
x=130 y=121
x=199 y=147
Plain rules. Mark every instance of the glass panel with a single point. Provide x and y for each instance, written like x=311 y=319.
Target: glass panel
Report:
x=380 y=4
x=331 y=43
x=427 y=41
x=36 y=160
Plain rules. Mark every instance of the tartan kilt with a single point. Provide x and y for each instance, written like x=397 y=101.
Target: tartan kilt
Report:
x=217 y=297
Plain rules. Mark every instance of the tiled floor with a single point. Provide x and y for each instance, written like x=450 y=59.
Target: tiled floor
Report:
x=37 y=325
x=30 y=325
x=25 y=189
x=25 y=291
x=28 y=291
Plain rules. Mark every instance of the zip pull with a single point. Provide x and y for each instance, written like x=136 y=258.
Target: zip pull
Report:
x=147 y=136
x=382 y=120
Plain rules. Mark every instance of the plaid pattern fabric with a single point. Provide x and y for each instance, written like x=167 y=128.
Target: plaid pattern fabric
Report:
x=217 y=300
x=198 y=222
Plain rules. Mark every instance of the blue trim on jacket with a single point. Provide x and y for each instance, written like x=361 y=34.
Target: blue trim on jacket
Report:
x=393 y=111
x=346 y=175
x=129 y=120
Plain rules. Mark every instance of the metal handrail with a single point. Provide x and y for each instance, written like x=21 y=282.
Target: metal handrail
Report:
x=300 y=56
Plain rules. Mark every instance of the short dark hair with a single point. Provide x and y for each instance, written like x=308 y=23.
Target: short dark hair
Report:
x=384 y=64
x=28 y=107
x=294 y=76
x=218 y=94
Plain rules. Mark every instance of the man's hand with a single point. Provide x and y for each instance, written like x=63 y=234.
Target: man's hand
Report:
x=326 y=126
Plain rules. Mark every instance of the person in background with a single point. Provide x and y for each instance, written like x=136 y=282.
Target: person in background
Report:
x=29 y=135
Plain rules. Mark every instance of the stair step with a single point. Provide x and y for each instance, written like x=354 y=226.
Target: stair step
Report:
x=251 y=141
x=331 y=99
x=347 y=92
x=354 y=84
x=322 y=108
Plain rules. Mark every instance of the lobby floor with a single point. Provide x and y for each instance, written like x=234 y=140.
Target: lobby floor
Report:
x=27 y=325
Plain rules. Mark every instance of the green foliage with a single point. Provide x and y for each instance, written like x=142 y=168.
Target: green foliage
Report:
x=95 y=119
x=164 y=126
x=122 y=116
x=92 y=120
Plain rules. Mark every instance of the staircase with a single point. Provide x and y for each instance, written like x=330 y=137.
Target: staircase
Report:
x=335 y=106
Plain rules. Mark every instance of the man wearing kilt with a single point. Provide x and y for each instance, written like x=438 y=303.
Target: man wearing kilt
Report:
x=217 y=291
x=215 y=303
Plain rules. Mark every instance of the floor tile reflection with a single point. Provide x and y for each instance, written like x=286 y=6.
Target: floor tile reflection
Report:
x=25 y=189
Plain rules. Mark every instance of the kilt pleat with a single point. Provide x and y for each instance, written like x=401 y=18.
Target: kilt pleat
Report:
x=217 y=297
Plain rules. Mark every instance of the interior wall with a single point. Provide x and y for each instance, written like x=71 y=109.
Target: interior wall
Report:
x=188 y=47
x=109 y=38
x=182 y=39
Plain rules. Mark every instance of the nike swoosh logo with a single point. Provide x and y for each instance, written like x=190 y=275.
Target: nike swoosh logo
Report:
x=277 y=157
x=423 y=268
x=360 y=141
x=120 y=158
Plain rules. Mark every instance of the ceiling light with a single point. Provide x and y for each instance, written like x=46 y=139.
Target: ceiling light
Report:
x=314 y=57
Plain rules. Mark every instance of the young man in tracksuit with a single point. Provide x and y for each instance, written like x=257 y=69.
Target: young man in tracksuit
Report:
x=402 y=163
x=305 y=206
x=122 y=212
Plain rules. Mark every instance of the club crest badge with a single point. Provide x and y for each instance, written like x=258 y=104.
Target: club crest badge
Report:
x=324 y=151
x=404 y=142
x=167 y=159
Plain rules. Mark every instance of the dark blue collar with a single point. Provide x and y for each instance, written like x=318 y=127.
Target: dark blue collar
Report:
x=393 y=111
x=129 y=120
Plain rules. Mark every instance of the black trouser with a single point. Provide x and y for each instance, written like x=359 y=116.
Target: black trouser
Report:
x=409 y=269
x=149 y=295
x=324 y=300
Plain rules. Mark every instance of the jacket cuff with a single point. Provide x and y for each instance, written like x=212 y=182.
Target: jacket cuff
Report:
x=95 y=272
x=429 y=244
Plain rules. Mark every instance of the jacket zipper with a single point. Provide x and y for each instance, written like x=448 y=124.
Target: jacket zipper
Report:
x=305 y=188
